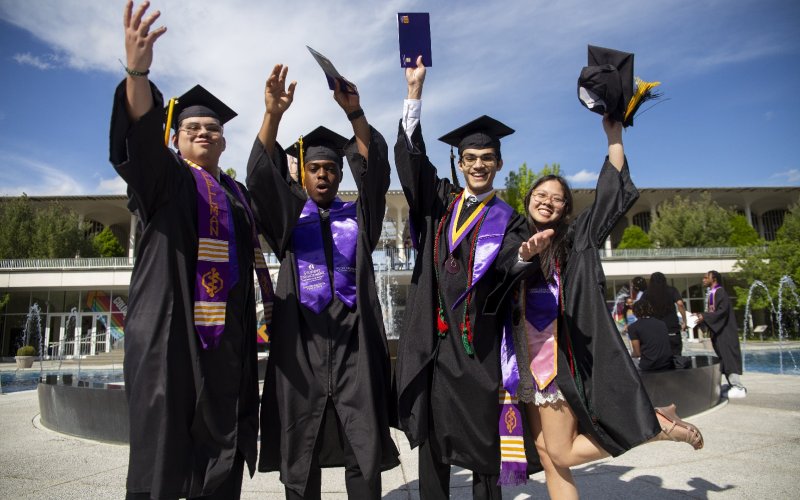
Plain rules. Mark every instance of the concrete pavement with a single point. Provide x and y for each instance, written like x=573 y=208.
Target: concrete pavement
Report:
x=752 y=450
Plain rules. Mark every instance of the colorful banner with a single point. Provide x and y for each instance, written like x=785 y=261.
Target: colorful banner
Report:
x=98 y=301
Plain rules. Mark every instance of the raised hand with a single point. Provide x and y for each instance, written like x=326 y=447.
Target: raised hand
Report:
x=277 y=97
x=139 y=39
x=415 y=78
x=536 y=244
x=346 y=95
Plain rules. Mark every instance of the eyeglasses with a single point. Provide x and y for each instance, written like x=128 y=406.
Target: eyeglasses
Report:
x=488 y=160
x=541 y=197
x=193 y=129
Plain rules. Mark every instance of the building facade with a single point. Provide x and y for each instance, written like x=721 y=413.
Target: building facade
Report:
x=81 y=304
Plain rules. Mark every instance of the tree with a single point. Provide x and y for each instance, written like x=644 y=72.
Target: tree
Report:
x=742 y=233
x=231 y=173
x=107 y=245
x=518 y=183
x=684 y=223
x=779 y=258
x=51 y=231
x=634 y=237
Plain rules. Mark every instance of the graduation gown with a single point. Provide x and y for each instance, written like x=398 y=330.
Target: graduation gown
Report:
x=341 y=353
x=605 y=390
x=445 y=395
x=191 y=409
x=724 y=332
x=595 y=372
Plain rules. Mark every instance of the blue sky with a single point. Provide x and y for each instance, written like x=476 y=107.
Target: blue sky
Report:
x=729 y=69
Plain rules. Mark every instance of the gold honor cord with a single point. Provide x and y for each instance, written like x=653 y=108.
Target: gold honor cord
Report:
x=301 y=166
x=457 y=230
x=170 y=109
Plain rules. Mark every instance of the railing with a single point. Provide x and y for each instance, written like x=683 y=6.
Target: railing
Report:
x=64 y=264
x=384 y=258
x=677 y=253
x=66 y=348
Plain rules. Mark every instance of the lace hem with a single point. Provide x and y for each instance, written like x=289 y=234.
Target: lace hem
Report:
x=548 y=398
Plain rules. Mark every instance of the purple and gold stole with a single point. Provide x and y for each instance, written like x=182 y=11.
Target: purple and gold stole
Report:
x=490 y=236
x=541 y=312
x=217 y=267
x=313 y=278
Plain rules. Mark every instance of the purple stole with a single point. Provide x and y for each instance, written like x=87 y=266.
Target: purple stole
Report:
x=711 y=305
x=217 y=268
x=314 y=285
x=490 y=236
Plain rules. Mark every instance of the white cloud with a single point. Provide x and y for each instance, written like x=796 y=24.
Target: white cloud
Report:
x=791 y=176
x=115 y=185
x=583 y=177
x=40 y=62
x=36 y=178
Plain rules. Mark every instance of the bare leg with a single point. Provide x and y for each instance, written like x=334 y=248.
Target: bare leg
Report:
x=565 y=446
x=560 y=484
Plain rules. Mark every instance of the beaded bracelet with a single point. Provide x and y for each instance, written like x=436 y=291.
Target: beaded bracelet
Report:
x=355 y=114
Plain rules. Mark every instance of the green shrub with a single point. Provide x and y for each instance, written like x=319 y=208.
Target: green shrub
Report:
x=26 y=350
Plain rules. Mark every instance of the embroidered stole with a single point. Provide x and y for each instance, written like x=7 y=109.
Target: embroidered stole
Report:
x=314 y=284
x=489 y=239
x=217 y=267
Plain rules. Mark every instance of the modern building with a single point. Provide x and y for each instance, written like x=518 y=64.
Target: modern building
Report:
x=81 y=303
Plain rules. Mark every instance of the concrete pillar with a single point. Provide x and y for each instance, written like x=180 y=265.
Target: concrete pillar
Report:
x=608 y=247
x=132 y=237
x=748 y=214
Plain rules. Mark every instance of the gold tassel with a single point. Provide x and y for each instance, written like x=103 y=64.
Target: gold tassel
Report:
x=170 y=108
x=301 y=165
x=644 y=92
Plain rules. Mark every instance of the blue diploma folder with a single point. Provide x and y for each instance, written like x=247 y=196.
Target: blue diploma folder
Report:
x=414 y=33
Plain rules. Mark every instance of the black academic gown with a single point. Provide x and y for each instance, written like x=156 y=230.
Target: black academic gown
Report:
x=340 y=354
x=444 y=395
x=606 y=392
x=595 y=372
x=724 y=333
x=191 y=409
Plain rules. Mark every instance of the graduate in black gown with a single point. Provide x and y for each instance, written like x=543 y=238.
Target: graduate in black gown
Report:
x=190 y=332
x=448 y=364
x=327 y=394
x=585 y=398
x=721 y=322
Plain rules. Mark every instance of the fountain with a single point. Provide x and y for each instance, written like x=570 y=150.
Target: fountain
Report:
x=784 y=283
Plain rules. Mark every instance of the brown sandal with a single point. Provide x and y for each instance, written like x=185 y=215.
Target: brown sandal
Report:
x=691 y=433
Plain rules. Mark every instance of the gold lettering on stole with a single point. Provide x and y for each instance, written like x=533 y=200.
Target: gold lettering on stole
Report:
x=213 y=221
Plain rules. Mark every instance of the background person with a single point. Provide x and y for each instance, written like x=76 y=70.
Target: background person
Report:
x=650 y=341
x=724 y=333
x=664 y=299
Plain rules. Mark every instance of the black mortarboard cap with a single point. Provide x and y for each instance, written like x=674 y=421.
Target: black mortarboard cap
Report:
x=200 y=102
x=480 y=133
x=320 y=144
x=606 y=83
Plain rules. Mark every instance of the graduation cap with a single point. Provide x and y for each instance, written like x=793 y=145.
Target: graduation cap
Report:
x=607 y=85
x=319 y=144
x=481 y=133
x=197 y=102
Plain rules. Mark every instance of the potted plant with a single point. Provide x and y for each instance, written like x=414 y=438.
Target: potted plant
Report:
x=25 y=356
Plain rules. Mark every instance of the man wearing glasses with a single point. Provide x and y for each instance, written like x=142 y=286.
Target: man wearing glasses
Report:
x=448 y=366
x=190 y=364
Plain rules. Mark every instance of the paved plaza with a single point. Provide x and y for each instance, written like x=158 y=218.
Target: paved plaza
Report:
x=752 y=450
